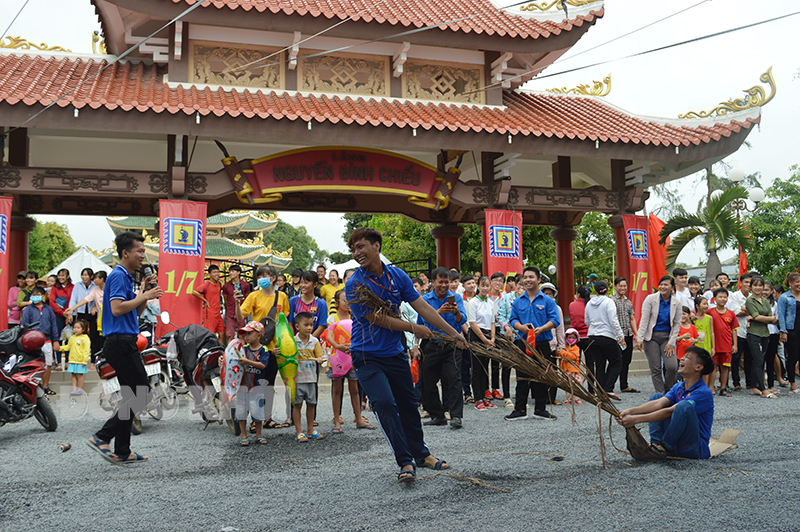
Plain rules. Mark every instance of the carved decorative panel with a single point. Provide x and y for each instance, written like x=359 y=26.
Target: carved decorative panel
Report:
x=9 y=177
x=238 y=66
x=443 y=82
x=345 y=74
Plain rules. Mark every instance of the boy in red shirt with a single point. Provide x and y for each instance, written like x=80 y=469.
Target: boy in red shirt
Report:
x=209 y=293
x=724 y=322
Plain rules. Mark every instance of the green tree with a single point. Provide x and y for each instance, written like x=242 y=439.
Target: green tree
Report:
x=338 y=257
x=305 y=251
x=593 y=249
x=775 y=229
x=48 y=245
x=403 y=238
x=354 y=221
x=715 y=223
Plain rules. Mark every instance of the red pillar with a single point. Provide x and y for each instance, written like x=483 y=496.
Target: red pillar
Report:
x=448 y=253
x=620 y=248
x=565 y=271
x=18 y=247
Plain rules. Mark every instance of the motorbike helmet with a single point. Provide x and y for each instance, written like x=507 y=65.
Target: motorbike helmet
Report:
x=141 y=342
x=32 y=341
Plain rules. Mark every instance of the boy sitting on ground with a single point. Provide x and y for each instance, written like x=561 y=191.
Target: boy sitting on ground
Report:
x=680 y=422
x=309 y=354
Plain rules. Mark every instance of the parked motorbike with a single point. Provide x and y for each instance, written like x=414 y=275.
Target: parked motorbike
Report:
x=201 y=354
x=21 y=393
x=162 y=396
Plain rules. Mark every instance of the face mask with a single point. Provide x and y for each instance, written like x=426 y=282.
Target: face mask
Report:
x=264 y=283
x=572 y=341
x=36 y=299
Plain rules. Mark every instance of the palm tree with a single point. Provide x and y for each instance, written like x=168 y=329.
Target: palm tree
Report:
x=716 y=223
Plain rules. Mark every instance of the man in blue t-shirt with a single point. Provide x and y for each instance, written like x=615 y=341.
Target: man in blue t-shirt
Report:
x=121 y=309
x=378 y=355
x=439 y=361
x=680 y=422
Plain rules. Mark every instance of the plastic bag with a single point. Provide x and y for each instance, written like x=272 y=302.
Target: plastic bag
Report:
x=172 y=349
x=415 y=370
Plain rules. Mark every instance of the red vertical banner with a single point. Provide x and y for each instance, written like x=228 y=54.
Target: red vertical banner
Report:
x=640 y=256
x=658 y=252
x=5 y=232
x=503 y=242
x=181 y=260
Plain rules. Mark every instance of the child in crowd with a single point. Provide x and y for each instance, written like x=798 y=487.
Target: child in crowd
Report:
x=309 y=354
x=455 y=281
x=470 y=287
x=570 y=361
x=340 y=319
x=725 y=341
x=251 y=397
x=709 y=294
x=481 y=319
x=687 y=335
x=694 y=291
x=38 y=312
x=80 y=353
x=309 y=303
x=705 y=328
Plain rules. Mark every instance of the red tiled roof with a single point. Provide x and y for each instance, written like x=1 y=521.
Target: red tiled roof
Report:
x=413 y=14
x=138 y=86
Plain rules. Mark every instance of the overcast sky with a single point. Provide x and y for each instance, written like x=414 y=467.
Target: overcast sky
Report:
x=691 y=77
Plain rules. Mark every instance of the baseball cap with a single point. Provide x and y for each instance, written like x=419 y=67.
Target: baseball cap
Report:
x=256 y=326
x=23 y=273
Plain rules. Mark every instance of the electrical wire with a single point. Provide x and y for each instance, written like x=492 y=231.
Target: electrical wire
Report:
x=124 y=54
x=638 y=54
x=2 y=35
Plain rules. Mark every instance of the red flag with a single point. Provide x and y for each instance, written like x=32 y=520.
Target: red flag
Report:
x=640 y=245
x=658 y=253
x=181 y=260
x=5 y=228
x=742 y=262
x=503 y=242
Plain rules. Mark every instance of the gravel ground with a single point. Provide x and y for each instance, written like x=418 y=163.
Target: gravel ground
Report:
x=200 y=480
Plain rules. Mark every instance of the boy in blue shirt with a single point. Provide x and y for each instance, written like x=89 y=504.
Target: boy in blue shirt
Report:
x=533 y=310
x=680 y=421
x=378 y=355
x=439 y=359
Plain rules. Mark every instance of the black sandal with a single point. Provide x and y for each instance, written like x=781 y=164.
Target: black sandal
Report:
x=407 y=475
x=269 y=424
x=48 y=391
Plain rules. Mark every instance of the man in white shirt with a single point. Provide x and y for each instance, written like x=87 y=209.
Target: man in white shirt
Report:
x=736 y=302
x=681 y=291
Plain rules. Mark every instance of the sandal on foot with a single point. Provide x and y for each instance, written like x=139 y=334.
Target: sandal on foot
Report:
x=301 y=438
x=368 y=426
x=337 y=430
x=658 y=450
x=48 y=391
x=252 y=427
x=285 y=424
x=261 y=440
x=137 y=459
x=469 y=400
x=244 y=442
x=316 y=436
x=440 y=465
x=269 y=424
x=407 y=475
x=630 y=390
x=95 y=443
x=725 y=393
x=769 y=396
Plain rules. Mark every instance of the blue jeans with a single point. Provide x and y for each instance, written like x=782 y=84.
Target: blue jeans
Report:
x=388 y=384
x=679 y=433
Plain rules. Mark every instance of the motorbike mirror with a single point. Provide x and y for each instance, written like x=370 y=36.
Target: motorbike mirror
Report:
x=165 y=317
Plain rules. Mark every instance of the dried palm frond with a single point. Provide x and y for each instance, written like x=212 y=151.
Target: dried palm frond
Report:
x=540 y=370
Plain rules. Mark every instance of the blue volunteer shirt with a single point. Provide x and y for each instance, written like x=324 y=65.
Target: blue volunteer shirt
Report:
x=433 y=300
x=119 y=285
x=663 y=323
x=537 y=312
x=393 y=286
x=699 y=394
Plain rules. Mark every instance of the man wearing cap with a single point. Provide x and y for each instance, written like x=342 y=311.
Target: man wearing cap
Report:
x=14 y=311
x=559 y=340
x=235 y=287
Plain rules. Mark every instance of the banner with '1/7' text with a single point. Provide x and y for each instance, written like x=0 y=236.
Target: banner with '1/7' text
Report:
x=503 y=240
x=5 y=233
x=181 y=260
x=639 y=251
